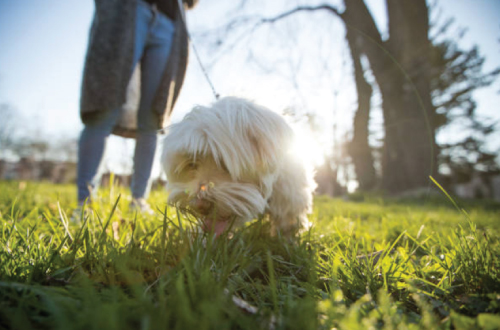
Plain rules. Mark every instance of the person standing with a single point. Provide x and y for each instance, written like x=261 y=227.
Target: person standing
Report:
x=125 y=35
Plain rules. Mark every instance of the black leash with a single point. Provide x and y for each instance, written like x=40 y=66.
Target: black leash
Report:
x=197 y=55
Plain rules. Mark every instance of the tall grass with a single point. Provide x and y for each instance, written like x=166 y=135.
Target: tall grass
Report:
x=436 y=267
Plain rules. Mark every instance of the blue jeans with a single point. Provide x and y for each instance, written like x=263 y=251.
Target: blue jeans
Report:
x=154 y=33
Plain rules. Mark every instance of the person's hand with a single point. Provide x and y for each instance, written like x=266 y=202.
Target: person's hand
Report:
x=190 y=3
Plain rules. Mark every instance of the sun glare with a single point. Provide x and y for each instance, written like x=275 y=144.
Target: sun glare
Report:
x=306 y=147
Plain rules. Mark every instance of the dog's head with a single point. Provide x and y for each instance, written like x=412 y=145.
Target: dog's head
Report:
x=221 y=161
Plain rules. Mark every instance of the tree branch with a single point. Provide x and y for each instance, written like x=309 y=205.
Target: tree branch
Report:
x=252 y=23
x=293 y=11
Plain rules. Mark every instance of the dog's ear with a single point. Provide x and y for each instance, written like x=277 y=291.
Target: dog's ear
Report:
x=266 y=134
x=266 y=147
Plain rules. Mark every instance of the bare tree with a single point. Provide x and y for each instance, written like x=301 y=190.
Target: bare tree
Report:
x=359 y=148
x=455 y=74
x=8 y=124
x=400 y=66
x=417 y=94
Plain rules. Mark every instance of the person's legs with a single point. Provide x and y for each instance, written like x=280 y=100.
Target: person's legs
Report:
x=91 y=148
x=93 y=138
x=153 y=64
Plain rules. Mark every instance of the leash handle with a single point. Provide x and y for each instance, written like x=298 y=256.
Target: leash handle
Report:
x=205 y=73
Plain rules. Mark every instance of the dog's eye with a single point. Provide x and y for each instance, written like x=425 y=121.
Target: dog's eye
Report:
x=191 y=166
x=186 y=166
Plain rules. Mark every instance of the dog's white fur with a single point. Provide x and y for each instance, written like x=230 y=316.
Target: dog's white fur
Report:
x=233 y=162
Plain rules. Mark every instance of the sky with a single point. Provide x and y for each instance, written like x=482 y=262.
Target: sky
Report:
x=43 y=44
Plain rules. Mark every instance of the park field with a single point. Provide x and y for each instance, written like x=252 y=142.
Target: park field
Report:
x=437 y=266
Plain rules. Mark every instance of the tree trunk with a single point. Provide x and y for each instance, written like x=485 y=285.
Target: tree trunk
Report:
x=400 y=66
x=359 y=148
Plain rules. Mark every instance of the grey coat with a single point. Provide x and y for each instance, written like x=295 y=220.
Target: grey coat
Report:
x=108 y=64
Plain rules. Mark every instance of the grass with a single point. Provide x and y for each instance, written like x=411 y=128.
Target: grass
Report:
x=439 y=267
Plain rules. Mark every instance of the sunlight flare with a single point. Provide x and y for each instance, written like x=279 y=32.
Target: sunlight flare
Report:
x=306 y=146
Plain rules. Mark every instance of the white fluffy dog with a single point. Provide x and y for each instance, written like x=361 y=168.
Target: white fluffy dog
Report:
x=231 y=162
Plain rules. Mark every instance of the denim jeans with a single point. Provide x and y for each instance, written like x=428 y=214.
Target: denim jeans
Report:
x=153 y=39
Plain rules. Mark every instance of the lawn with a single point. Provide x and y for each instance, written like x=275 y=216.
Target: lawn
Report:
x=438 y=266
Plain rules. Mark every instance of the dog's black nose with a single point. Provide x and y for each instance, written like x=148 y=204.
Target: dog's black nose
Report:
x=201 y=205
